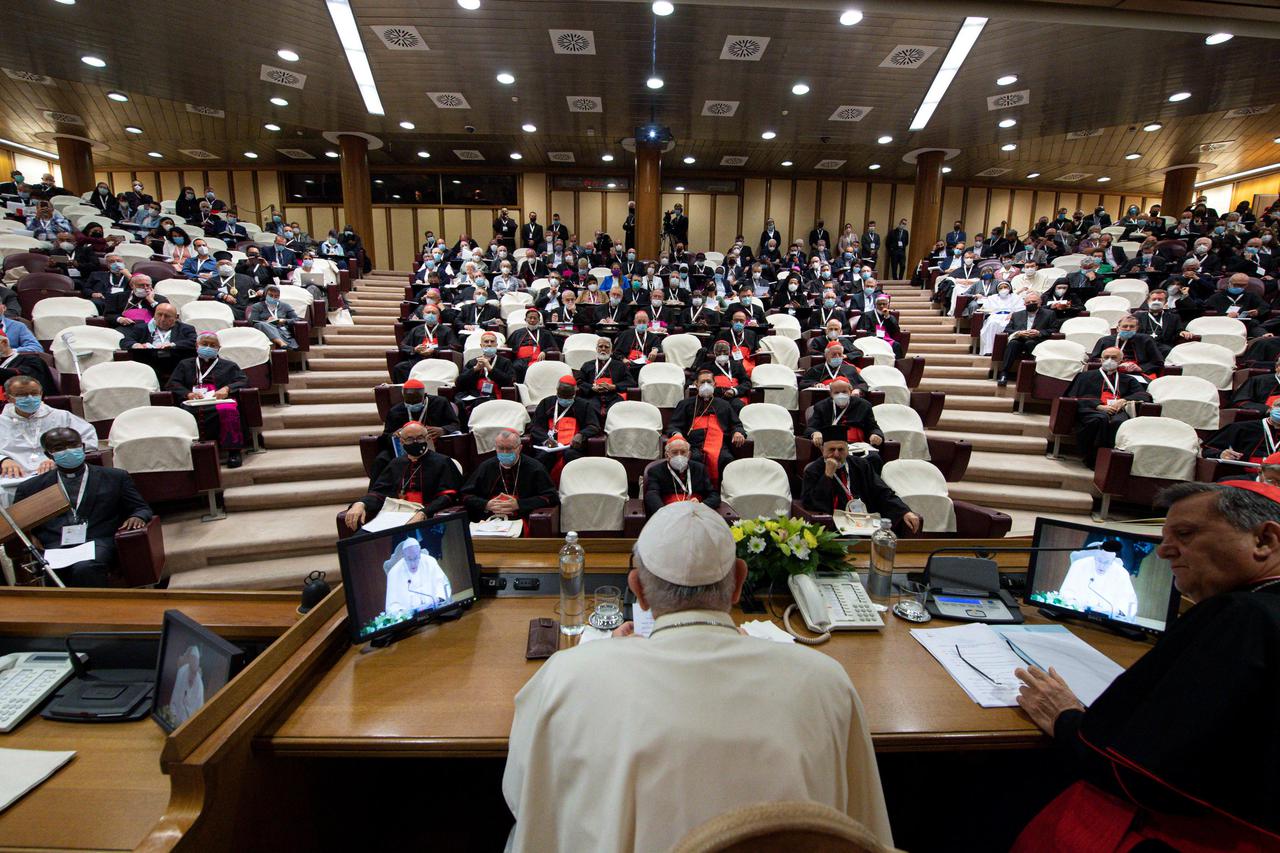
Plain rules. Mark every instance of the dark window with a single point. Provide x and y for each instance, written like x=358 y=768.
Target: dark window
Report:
x=306 y=188
x=480 y=189
x=699 y=185
x=391 y=188
x=577 y=182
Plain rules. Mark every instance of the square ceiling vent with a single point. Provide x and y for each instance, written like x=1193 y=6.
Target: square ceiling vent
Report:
x=1009 y=99
x=744 y=48
x=63 y=118
x=560 y=156
x=29 y=77
x=908 y=56
x=733 y=160
x=400 y=37
x=1073 y=176
x=829 y=164
x=720 y=109
x=573 y=42
x=584 y=104
x=449 y=100
x=467 y=154
x=1220 y=145
x=208 y=112
x=1245 y=112
x=991 y=173
x=1084 y=134
x=296 y=153
x=198 y=153
x=283 y=76
x=849 y=113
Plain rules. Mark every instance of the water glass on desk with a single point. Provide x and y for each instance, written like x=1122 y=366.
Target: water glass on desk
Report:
x=607 y=613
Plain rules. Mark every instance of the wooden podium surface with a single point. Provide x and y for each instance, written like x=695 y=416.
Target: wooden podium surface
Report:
x=449 y=690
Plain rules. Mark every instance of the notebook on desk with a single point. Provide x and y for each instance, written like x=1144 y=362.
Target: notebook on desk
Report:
x=21 y=770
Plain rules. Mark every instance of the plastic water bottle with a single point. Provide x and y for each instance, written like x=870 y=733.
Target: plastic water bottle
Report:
x=573 y=599
x=884 y=551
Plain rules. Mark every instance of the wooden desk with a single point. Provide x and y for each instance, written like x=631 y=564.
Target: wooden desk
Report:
x=449 y=691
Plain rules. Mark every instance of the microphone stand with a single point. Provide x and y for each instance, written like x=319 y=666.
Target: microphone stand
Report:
x=37 y=557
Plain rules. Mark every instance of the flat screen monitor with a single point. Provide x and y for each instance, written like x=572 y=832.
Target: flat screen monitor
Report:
x=1101 y=574
x=407 y=574
x=194 y=664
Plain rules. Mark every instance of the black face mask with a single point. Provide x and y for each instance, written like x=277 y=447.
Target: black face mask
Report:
x=416 y=448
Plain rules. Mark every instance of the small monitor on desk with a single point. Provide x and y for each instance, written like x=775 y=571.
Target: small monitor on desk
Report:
x=194 y=664
x=406 y=575
x=1101 y=574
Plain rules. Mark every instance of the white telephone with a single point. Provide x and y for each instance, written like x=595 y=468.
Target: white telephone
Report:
x=830 y=603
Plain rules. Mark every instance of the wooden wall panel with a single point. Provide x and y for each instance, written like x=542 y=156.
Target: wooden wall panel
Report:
x=533 y=195
x=193 y=178
x=404 y=242
x=324 y=218
x=904 y=201
x=1245 y=190
x=727 y=223
x=221 y=183
x=429 y=220
x=562 y=202
x=1044 y=204
x=1071 y=201
x=615 y=213
x=121 y=182
x=590 y=215
x=805 y=205
x=268 y=193
x=245 y=195
x=881 y=196
x=1021 y=218
x=170 y=184
x=831 y=203
x=998 y=209
x=381 y=254
x=1147 y=201
x=855 y=209
x=975 y=213
x=779 y=207
x=455 y=223
x=101 y=176
x=1113 y=203
x=699 y=212
x=952 y=203
x=753 y=214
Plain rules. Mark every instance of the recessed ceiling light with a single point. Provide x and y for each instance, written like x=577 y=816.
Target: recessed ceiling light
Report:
x=94 y=61
x=132 y=128
x=469 y=5
x=424 y=154
x=1276 y=140
x=768 y=134
x=800 y=89
x=1103 y=180
x=608 y=158
x=1008 y=122
x=1218 y=38
x=280 y=102
x=332 y=155
x=529 y=127
x=155 y=154
x=377 y=180
x=456 y=181
x=787 y=163
x=408 y=125
x=516 y=155
x=885 y=140
x=1033 y=175
x=874 y=166
x=118 y=96
x=395 y=195
x=1179 y=96
x=1133 y=155
x=251 y=155
x=946 y=170
x=1155 y=125
x=611 y=185
x=663 y=7
x=271 y=126
x=287 y=55
x=849 y=17
x=309 y=181
x=679 y=189
x=67 y=2
x=689 y=161
x=654 y=82
x=506 y=78
x=1007 y=80
x=1009 y=146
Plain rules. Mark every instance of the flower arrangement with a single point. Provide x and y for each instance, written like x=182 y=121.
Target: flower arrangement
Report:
x=775 y=548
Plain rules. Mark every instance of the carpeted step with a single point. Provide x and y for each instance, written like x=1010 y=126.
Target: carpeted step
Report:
x=952 y=359
x=319 y=415
x=973 y=387
x=952 y=371
x=927 y=349
x=313 y=492
x=996 y=442
x=253 y=535
x=985 y=423
x=306 y=396
x=338 y=365
x=290 y=465
x=342 y=352
x=969 y=402
x=385 y=314
x=1034 y=498
x=1029 y=470
x=278 y=574
x=318 y=437
x=364 y=379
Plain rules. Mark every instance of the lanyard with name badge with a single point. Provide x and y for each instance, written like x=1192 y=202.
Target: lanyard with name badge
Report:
x=75 y=533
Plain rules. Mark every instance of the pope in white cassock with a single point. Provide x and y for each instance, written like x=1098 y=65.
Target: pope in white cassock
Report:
x=1098 y=581
x=998 y=309
x=188 y=687
x=416 y=581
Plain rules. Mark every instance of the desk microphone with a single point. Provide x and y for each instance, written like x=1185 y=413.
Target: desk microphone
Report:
x=1103 y=597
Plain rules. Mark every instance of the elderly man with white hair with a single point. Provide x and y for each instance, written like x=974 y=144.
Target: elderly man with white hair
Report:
x=102 y=283
x=695 y=689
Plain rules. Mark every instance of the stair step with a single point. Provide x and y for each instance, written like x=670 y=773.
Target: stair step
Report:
x=314 y=492
x=949 y=349
x=363 y=379
x=996 y=442
x=950 y=371
x=1023 y=497
x=968 y=402
x=254 y=535
x=332 y=395
x=293 y=464
x=322 y=414
x=1033 y=469
x=986 y=423
x=940 y=338
x=343 y=351
x=282 y=573
x=367 y=338
x=335 y=365
x=953 y=359
x=375 y=313
x=974 y=387
x=326 y=437
x=364 y=318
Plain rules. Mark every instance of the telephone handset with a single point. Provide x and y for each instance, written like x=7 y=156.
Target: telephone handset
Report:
x=830 y=603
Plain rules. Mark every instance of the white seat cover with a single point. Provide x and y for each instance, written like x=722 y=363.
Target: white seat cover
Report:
x=116 y=386
x=784 y=351
x=1114 y=230
x=1109 y=308
x=881 y=377
x=902 y=424
x=216 y=244
x=785 y=325
x=600 y=273
x=579 y=349
x=632 y=429
x=297 y=298
x=1132 y=289
x=1068 y=261
x=662 y=384
x=779 y=384
x=875 y=349
x=1085 y=331
x=245 y=346
x=153 y=438
x=435 y=373
x=755 y=488
x=681 y=350
x=540 y=381
x=514 y=322
x=1224 y=331
x=715 y=258
x=1130 y=247
x=1190 y=399
x=1208 y=361
x=93 y=344
x=922 y=487
x=207 y=316
x=61 y=202
x=18 y=241
x=134 y=252
x=55 y=313
x=1059 y=359
x=771 y=429
x=1161 y=447
x=593 y=494
x=471 y=344
x=179 y=291
x=492 y=417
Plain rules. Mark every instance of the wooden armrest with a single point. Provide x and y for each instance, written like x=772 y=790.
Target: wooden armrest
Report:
x=141 y=553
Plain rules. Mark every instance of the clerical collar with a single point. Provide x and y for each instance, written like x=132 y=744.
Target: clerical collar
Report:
x=72 y=474
x=692 y=618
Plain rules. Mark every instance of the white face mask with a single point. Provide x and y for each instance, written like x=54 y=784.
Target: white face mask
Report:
x=678 y=463
x=722 y=359
x=706 y=389
x=1109 y=365
x=840 y=399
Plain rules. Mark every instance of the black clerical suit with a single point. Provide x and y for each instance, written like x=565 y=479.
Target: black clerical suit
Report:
x=181 y=335
x=663 y=486
x=527 y=481
x=481 y=384
x=481 y=316
x=1095 y=429
x=531 y=235
x=823 y=494
x=1140 y=348
x=699 y=319
x=117 y=303
x=441 y=335
x=28 y=364
x=682 y=423
x=1256 y=392
x=869 y=248
x=433 y=476
x=1223 y=302
x=899 y=239
x=222 y=373
x=504 y=231
x=106 y=283
x=858 y=416
x=731 y=380
x=821 y=375
x=527 y=344
x=110 y=497
x=820 y=316
x=1044 y=321
x=766 y=236
x=1165 y=329
x=1249 y=438
x=562 y=420
x=617 y=376
x=435 y=411
x=869 y=323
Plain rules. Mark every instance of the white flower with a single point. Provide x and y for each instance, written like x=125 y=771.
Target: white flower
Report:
x=755 y=544
x=800 y=551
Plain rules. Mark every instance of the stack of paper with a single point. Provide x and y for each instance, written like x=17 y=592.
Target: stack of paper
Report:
x=23 y=769
x=766 y=630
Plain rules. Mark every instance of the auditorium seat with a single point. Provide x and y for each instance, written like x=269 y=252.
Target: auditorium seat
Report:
x=1190 y=399
x=681 y=350
x=771 y=430
x=180 y=292
x=30 y=261
x=784 y=325
x=779 y=384
x=922 y=487
x=53 y=314
x=540 y=382
x=492 y=417
x=306 y=306
x=1085 y=331
x=161 y=449
x=130 y=252
x=781 y=826
x=1208 y=361
x=1046 y=375
x=1226 y=332
x=889 y=381
x=85 y=345
x=471 y=344
x=435 y=373
x=662 y=383
x=158 y=271
x=11 y=243
x=114 y=387
x=579 y=348
x=1150 y=453
x=1133 y=289
x=207 y=315
x=755 y=488
x=632 y=435
x=594 y=501
x=782 y=351
x=902 y=424
x=875 y=349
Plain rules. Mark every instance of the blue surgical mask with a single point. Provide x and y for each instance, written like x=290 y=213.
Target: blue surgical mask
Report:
x=481 y=299
x=866 y=276
x=1126 y=334
x=1235 y=291
x=640 y=327
x=178 y=241
x=70 y=458
x=489 y=351
x=415 y=407
x=28 y=404
x=117 y=267
x=828 y=303
x=506 y=460
x=738 y=325
x=207 y=353
x=1275 y=414
x=273 y=301
x=835 y=361
x=431 y=319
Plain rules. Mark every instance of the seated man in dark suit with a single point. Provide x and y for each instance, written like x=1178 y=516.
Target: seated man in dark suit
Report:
x=846 y=407
x=605 y=379
x=1027 y=329
x=274 y=318
x=1164 y=327
x=103 y=500
x=229 y=287
x=531 y=344
x=484 y=376
x=1259 y=393
x=508 y=485
x=161 y=343
x=209 y=376
x=837 y=480
x=1138 y=352
x=421 y=476
x=424 y=341
x=1236 y=300
x=562 y=420
x=436 y=414
x=1255 y=264
x=833 y=368
x=700 y=315
x=706 y=421
x=732 y=382
x=103 y=283
x=1100 y=408
x=681 y=479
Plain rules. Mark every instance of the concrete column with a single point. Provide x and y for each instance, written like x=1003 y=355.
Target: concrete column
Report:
x=648 y=198
x=357 y=201
x=75 y=156
x=926 y=209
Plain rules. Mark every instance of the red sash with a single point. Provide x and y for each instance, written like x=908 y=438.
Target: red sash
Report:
x=564 y=431
x=676 y=497
x=723 y=381
x=528 y=352
x=855 y=434
x=1271 y=401
x=414 y=496
x=712 y=441
x=748 y=364
x=1107 y=396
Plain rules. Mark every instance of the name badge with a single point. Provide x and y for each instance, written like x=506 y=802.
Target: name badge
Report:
x=486 y=388
x=737 y=355
x=74 y=534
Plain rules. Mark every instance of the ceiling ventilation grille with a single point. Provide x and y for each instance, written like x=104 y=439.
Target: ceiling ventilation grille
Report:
x=908 y=56
x=573 y=42
x=400 y=37
x=29 y=77
x=283 y=76
x=829 y=164
x=560 y=156
x=467 y=154
x=849 y=113
x=1009 y=99
x=584 y=104
x=1221 y=145
x=1245 y=112
x=63 y=118
x=744 y=48
x=1073 y=176
x=991 y=173
x=720 y=109
x=208 y=112
x=198 y=153
x=733 y=160
x=449 y=100
x=296 y=153
x=1084 y=134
